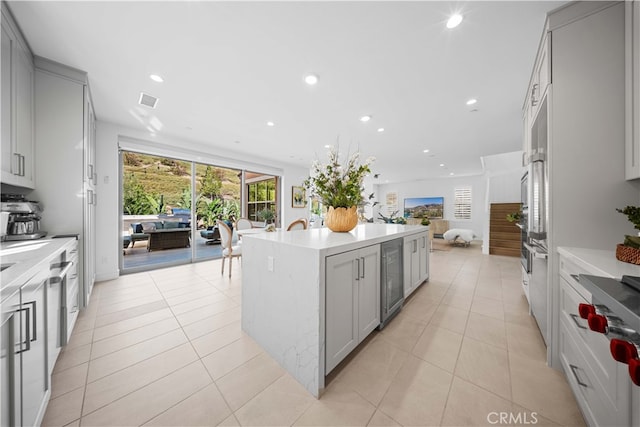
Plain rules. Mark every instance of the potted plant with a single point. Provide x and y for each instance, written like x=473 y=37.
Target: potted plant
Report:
x=425 y=221
x=267 y=215
x=514 y=216
x=629 y=251
x=339 y=187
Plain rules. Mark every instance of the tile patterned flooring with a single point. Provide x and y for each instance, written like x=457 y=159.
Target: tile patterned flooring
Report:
x=165 y=348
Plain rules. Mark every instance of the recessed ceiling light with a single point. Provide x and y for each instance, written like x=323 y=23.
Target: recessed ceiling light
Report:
x=451 y=173
x=365 y=118
x=472 y=101
x=380 y=129
x=454 y=20
x=425 y=151
x=327 y=146
x=271 y=124
x=156 y=78
x=441 y=165
x=311 y=79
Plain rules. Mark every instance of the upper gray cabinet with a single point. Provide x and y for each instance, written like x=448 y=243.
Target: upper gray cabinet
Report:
x=17 y=106
x=632 y=89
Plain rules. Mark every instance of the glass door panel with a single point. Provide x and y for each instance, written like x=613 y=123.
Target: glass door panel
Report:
x=217 y=198
x=156 y=211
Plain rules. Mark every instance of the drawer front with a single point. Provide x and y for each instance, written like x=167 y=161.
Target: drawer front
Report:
x=597 y=408
x=569 y=301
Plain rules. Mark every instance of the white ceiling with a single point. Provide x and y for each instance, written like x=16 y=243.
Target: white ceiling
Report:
x=229 y=67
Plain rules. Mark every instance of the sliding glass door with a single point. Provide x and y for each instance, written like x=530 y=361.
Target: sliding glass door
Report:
x=170 y=208
x=218 y=197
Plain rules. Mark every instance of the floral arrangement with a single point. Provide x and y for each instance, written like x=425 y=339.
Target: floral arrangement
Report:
x=633 y=215
x=339 y=185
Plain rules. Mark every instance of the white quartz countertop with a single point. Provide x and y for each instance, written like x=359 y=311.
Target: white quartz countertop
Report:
x=323 y=238
x=25 y=258
x=600 y=262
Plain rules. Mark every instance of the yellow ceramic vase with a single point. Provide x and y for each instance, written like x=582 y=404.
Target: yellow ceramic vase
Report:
x=341 y=219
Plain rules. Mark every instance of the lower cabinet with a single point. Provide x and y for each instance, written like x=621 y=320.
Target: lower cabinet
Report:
x=352 y=301
x=11 y=362
x=416 y=261
x=35 y=375
x=600 y=385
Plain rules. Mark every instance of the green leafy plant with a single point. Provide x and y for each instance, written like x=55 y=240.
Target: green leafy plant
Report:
x=425 y=221
x=633 y=215
x=267 y=215
x=514 y=216
x=338 y=185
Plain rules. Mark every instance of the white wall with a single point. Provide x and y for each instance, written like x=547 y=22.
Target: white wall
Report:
x=109 y=244
x=443 y=187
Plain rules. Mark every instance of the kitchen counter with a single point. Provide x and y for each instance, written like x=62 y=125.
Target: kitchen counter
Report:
x=24 y=258
x=330 y=242
x=600 y=262
x=284 y=285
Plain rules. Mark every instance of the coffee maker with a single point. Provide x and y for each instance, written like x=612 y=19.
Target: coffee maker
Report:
x=24 y=218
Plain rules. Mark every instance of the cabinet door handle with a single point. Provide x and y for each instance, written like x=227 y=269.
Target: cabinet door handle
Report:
x=16 y=157
x=357 y=268
x=574 y=369
x=95 y=198
x=22 y=172
x=90 y=196
x=362 y=273
x=90 y=173
x=34 y=324
x=575 y=277
x=415 y=246
x=534 y=101
x=27 y=329
x=424 y=242
x=575 y=320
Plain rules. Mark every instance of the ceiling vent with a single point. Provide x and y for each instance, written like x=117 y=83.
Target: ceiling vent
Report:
x=148 y=100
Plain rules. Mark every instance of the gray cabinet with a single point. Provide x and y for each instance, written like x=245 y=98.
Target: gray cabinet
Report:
x=35 y=375
x=632 y=89
x=352 y=301
x=65 y=157
x=17 y=106
x=416 y=261
x=25 y=378
x=10 y=362
x=600 y=384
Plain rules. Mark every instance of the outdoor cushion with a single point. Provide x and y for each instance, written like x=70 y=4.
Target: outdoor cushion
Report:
x=149 y=226
x=136 y=227
x=171 y=224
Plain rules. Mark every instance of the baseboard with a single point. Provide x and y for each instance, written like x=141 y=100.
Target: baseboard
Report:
x=102 y=277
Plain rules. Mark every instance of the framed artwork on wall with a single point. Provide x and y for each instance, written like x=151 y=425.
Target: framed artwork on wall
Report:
x=424 y=207
x=298 y=197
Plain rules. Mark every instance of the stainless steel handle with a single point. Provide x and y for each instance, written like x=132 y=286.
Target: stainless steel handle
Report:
x=424 y=244
x=357 y=260
x=22 y=172
x=27 y=329
x=575 y=320
x=90 y=173
x=90 y=196
x=34 y=324
x=415 y=246
x=16 y=157
x=66 y=266
x=575 y=277
x=575 y=374
x=362 y=273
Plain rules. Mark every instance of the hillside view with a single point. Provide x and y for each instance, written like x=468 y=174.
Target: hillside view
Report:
x=153 y=185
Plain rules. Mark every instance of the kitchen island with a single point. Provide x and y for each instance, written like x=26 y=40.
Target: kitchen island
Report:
x=309 y=297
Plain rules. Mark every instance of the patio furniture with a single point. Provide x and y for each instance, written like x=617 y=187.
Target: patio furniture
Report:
x=229 y=250
x=211 y=234
x=168 y=238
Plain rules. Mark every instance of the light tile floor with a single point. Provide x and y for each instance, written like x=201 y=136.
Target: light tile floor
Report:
x=165 y=348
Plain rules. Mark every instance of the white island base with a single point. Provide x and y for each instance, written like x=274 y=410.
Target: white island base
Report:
x=291 y=279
